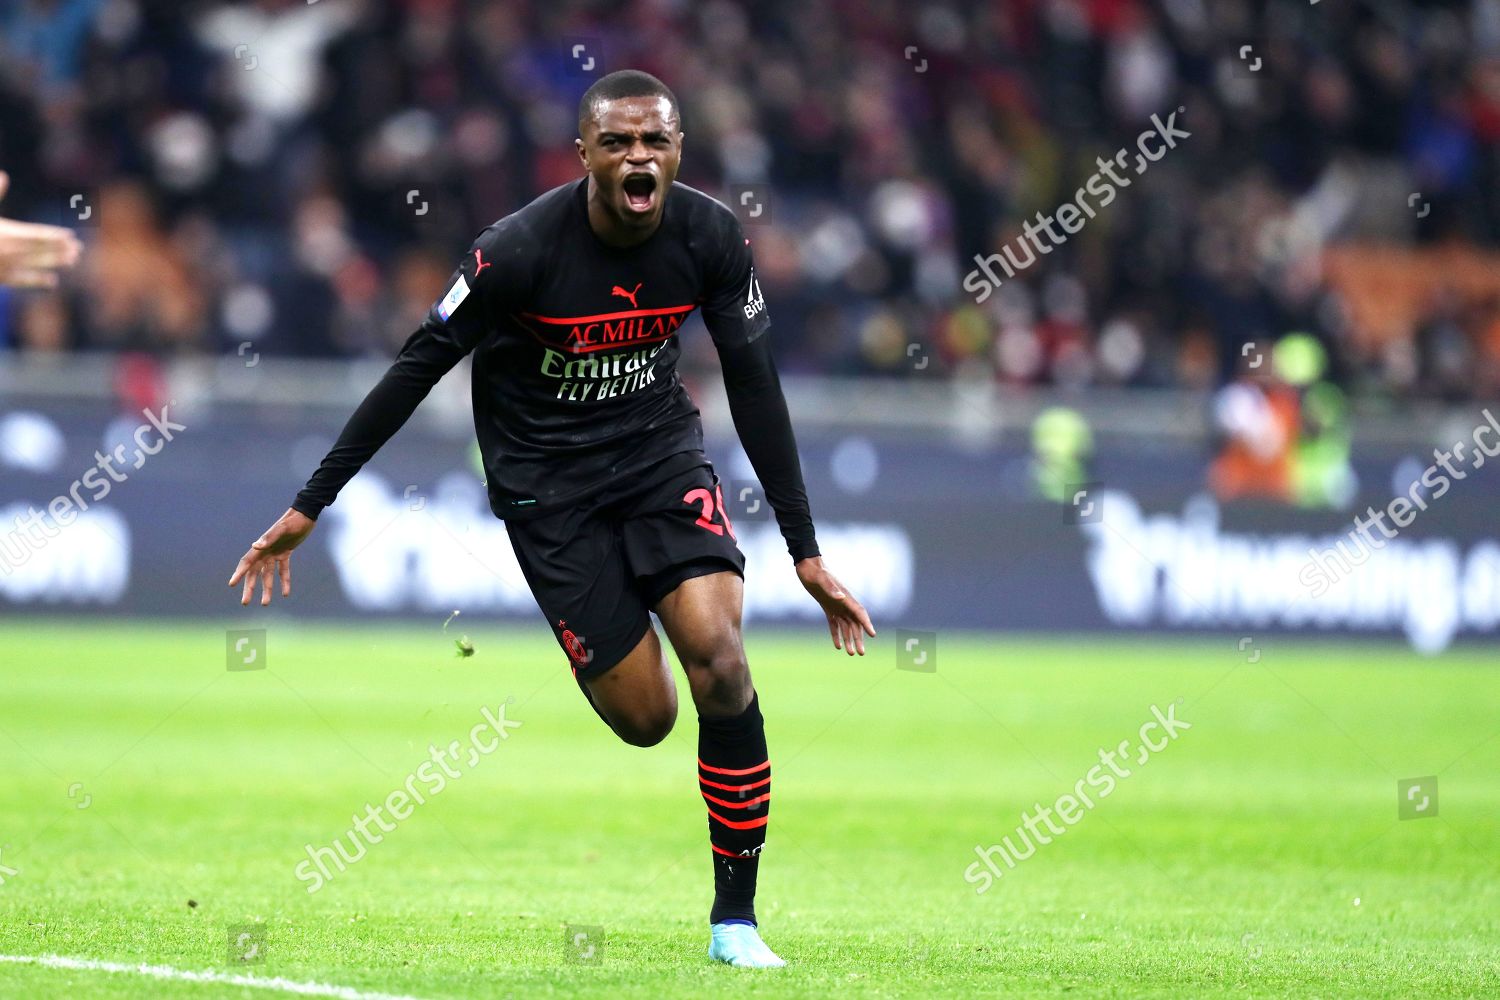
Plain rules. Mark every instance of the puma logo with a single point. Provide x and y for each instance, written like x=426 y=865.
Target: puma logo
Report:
x=618 y=290
x=479 y=264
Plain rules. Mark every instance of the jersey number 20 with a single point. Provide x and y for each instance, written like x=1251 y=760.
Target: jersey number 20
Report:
x=706 y=518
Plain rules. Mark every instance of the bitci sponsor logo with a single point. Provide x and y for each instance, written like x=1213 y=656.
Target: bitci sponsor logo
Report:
x=755 y=302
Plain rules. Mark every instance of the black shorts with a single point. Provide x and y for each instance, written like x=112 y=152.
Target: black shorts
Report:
x=598 y=569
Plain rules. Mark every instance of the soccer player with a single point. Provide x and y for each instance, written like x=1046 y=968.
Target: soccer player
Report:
x=593 y=454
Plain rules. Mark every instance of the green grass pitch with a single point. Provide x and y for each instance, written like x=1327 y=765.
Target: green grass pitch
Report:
x=1258 y=855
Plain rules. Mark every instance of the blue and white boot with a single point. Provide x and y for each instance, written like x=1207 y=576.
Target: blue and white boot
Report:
x=738 y=943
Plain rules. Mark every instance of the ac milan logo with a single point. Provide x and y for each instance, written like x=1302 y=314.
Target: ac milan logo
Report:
x=574 y=646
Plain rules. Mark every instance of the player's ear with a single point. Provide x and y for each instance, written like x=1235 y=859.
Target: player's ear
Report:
x=583 y=152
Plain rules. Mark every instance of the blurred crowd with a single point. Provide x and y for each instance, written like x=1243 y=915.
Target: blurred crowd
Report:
x=302 y=176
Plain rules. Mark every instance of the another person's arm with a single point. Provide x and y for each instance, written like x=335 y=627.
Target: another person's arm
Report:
x=31 y=254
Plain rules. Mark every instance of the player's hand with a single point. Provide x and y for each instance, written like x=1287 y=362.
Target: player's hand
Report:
x=31 y=254
x=271 y=555
x=847 y=620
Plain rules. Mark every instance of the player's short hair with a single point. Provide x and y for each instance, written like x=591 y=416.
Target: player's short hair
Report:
x=624 y=83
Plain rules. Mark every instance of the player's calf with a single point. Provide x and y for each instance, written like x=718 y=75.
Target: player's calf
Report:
x=702 y=617
x=734 y=777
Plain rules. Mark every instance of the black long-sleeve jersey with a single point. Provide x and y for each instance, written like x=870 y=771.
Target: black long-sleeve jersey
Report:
x=575 y=381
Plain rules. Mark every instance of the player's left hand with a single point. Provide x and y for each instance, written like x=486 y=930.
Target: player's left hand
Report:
x=846 y=616
x=271 y=556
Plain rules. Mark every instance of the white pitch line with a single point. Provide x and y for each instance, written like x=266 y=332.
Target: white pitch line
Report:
x=183 y=975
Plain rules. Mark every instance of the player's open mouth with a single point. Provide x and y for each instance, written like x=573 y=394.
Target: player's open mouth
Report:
x=640 y=192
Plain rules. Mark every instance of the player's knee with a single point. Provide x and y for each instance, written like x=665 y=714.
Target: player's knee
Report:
x=645 y=727
x=720 y=680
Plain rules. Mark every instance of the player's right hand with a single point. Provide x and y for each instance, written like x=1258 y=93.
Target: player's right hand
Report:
x=271 y=555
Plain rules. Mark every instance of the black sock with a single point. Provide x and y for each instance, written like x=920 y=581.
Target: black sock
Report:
x=734 y=776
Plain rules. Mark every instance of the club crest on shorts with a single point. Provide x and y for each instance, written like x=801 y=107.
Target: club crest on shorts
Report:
x=573 y=644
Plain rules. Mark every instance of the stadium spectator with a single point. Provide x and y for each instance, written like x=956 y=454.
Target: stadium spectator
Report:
x=307 y=168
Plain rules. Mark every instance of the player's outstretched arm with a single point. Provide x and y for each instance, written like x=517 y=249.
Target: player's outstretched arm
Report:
x=448 y=333
x=847 y=621
x=31 y=254
x=454 y=326
x=758 y=408
x=382 y=412
x=270 y=556
x=735 y=312
x=425 y=359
